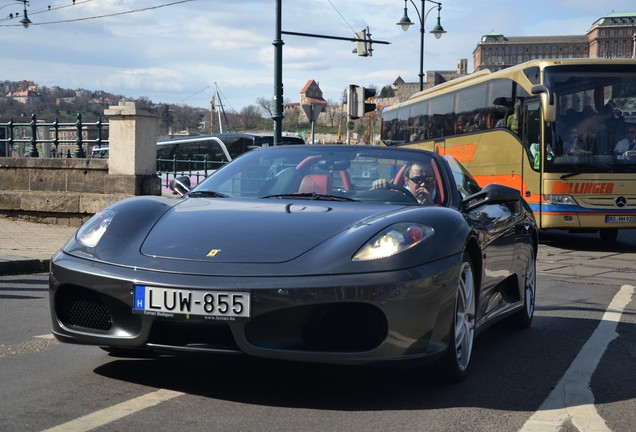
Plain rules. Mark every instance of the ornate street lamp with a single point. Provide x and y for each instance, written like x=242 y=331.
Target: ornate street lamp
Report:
x=405 y=22
x=25 y=21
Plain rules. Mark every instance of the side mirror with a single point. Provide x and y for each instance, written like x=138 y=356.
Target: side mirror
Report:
x=548 y=107
x=180 y=185
x=492 y=194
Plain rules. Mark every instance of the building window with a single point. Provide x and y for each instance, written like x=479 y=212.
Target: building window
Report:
x=602 y=32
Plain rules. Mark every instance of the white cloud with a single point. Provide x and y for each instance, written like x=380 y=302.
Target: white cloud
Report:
x=177 y=53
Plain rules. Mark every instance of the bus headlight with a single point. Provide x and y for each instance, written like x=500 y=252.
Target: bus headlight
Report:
x=560 y=199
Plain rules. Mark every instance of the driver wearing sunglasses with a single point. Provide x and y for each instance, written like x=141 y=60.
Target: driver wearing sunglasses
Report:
x=418 y=180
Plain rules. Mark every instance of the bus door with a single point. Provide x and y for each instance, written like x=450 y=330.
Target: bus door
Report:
x=531 y=160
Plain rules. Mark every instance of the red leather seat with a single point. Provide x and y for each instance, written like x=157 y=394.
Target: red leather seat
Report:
x=316 y=183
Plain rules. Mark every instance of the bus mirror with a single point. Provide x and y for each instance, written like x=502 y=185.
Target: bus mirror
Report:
x=503 y=101
x=547 y=102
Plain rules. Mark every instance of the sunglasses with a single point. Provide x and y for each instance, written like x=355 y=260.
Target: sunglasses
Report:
x=428 y=179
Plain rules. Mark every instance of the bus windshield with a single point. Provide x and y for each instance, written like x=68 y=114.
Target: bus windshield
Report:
x=596 y=122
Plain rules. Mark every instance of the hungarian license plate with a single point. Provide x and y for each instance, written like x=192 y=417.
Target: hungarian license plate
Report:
x=620 y=219
x=170 y=302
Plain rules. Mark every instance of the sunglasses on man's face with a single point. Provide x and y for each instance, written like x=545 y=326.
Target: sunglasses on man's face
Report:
x=427 y=179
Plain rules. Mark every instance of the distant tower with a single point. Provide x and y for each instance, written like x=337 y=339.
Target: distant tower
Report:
x=462 y=66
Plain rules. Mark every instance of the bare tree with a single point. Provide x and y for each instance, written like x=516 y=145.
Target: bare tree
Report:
x=250 y=116
x=266 y=105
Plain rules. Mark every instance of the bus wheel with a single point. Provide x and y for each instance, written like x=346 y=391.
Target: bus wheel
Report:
x=609 y=235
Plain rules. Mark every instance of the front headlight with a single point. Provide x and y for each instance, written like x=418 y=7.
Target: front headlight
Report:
x=92 y=231
x=393 y=240
x=560 y=199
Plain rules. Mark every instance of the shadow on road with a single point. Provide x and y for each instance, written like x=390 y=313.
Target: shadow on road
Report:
x=626 y=241
x=513 y=370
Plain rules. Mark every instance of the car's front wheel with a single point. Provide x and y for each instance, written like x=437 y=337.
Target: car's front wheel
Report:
x=462 y=332
x=523 y=318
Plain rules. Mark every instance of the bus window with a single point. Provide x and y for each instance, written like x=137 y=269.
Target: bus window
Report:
x=442 y=113
x=469 y=106
x=500 y=99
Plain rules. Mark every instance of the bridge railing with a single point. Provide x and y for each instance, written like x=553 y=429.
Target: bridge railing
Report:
x=37 y=138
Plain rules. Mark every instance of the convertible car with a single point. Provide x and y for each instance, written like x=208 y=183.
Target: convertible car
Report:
x=296 y=253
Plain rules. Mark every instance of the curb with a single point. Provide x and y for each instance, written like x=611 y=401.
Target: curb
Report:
x=24 y=266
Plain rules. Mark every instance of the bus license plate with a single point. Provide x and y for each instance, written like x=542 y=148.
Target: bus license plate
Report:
x=170 y=302
x=620 y=219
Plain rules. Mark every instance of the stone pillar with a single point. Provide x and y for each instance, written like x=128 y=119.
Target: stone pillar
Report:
x=132 y=165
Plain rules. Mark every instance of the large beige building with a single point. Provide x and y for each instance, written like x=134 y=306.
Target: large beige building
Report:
x=611 y=36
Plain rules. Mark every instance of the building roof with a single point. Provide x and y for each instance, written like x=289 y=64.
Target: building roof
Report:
x=617 y=18
x=544 y=40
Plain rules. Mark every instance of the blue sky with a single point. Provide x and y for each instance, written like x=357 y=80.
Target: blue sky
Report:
x=179 y=53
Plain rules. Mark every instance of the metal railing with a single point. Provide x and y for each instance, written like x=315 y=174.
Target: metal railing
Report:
x=197 y=170
x=17 y=135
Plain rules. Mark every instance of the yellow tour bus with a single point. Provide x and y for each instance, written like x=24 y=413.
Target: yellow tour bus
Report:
x=560 y=131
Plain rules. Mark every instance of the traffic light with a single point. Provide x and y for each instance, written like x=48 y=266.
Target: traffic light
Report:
x=364 y=94
x=357 y=101
x=363 y=44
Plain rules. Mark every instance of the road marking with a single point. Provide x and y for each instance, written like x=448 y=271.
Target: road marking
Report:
x=107 y=415
x=572 y=398
x=45 y=336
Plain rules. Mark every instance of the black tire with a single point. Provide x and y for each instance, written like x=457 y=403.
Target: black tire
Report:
x=523 y=318
x=457 y=360
x=608 y=235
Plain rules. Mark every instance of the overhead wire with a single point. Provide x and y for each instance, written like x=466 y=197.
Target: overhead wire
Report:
x=92 y=17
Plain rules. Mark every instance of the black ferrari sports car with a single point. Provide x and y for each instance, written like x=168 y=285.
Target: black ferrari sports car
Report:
x=317 y=253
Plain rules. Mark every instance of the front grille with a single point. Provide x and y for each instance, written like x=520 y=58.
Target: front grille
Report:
x=335 y=327
x=345 y=327
x=78 y=307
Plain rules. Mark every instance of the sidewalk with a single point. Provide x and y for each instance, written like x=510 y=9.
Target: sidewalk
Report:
x=27 y=247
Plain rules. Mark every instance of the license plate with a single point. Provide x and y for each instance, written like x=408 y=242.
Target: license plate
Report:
x=170 y=302
x=620 y=219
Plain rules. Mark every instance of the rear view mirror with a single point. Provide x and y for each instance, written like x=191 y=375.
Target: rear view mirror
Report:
x=548 y=107
x=180 y=185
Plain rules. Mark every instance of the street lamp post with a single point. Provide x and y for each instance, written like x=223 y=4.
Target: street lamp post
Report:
x=25 y=21
x=278 y=76
x=438 y=30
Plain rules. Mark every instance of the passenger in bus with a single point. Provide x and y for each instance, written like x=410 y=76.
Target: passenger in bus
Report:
x=477 y=124
x=573 y=145
x=512 y=122
x=627 y=143
x=599 y=130
x=418 y=179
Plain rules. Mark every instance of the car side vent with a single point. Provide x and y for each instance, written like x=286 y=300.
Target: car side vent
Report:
x=77 y=307
x=345 y=327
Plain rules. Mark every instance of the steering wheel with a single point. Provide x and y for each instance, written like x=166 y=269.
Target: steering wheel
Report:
x=404 y=192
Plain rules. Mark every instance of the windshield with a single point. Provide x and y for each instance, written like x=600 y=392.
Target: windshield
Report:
x=596 y=121
x=338 y=173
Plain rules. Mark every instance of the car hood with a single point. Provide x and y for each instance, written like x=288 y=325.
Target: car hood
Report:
x=250 y=231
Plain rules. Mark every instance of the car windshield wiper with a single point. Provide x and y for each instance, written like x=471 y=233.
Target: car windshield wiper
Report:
x=311 y=196
x=207 y=193
x=568 y=175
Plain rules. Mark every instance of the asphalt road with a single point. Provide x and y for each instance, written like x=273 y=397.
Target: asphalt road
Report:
x=573 y=369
